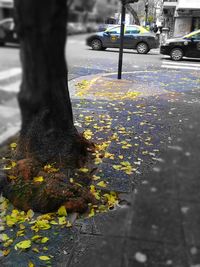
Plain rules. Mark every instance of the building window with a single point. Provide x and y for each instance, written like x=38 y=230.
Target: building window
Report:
x=195 y=24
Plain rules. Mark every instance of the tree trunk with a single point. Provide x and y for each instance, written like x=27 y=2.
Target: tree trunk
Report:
x=48 y=133
x=49 y=146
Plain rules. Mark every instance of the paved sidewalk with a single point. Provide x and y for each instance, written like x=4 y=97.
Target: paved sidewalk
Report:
x=160 y=225
x=153 y=118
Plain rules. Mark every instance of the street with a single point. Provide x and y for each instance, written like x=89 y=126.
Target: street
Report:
x=82 y=61
x=153 y=163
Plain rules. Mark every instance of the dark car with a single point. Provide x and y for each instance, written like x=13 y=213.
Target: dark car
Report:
x=186 y=46
x=135 y=37
x=7 y=32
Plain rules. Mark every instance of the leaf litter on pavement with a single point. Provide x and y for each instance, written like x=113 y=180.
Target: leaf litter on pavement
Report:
x=124 y=136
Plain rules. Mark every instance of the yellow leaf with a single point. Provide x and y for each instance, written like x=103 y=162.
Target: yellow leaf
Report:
x=23 y=244
x=36 y=237
x=12 y=177
x=35 y=250
x=50 y=169
x=68 y=224
x=38 y=179
x=13 y=164
x=116 y=167
x=83 y=170
x=6 y=252
x=62 y=211
x=41 y=225
x=30 y=264
x=88 y=134
x=92 y=213
x=4 y=237
x=30 y=213
x=20 y=233
x=95 y=178
x=102 y=208
x=44 y=258
x=21 y=226
x=53 y=222
x=9 y=167
x=44 y=240
x=13 y=145
x=102 y=184
x=98 y=161
x=8 y=243
x=62 y=220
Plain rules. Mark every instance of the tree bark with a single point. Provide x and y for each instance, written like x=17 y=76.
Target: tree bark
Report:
x=47 y=133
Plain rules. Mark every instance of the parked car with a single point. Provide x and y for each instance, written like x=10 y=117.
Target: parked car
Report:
x=135 y=37
x=186 y=46
x=7 y=32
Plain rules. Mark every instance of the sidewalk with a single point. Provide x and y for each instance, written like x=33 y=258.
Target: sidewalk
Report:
x=160 y=226
x=152 y=120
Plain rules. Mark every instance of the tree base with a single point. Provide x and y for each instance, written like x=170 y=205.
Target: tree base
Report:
x=29 y=184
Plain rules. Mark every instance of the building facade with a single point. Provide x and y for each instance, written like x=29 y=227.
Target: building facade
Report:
x=6 y=9
x=181 y=16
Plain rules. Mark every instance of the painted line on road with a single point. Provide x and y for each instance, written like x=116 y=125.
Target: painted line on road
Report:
x=179 y=67
x=181 y=63
x=6 y=74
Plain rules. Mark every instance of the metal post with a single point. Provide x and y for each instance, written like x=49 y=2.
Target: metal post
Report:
x=123 y=13
x=146 y=11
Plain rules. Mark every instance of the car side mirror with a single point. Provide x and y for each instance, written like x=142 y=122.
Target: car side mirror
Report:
x=106 y=34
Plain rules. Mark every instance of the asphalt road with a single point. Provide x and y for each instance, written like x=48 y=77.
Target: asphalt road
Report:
x=82 y=60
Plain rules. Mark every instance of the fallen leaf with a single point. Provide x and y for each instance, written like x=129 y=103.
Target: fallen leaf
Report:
x=44 y=258
x=23 y=244
x=102 y=184
x=62 y=211
x=38 y=179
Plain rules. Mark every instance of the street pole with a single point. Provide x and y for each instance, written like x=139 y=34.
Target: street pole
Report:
x=146 y=11
x=123 y=13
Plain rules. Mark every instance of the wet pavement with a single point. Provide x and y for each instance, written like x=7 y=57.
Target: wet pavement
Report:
x=155 y=127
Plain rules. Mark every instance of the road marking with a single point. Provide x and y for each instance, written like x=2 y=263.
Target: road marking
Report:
x=179 y=67
x=6 y=74
x=181 y=63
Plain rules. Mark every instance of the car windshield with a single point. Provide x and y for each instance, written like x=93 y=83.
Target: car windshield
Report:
x=189 y=35
x=127 y=29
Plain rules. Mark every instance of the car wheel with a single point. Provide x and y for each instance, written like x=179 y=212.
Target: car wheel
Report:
x=142 y=48
x=176 y=54
x=96 y=44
